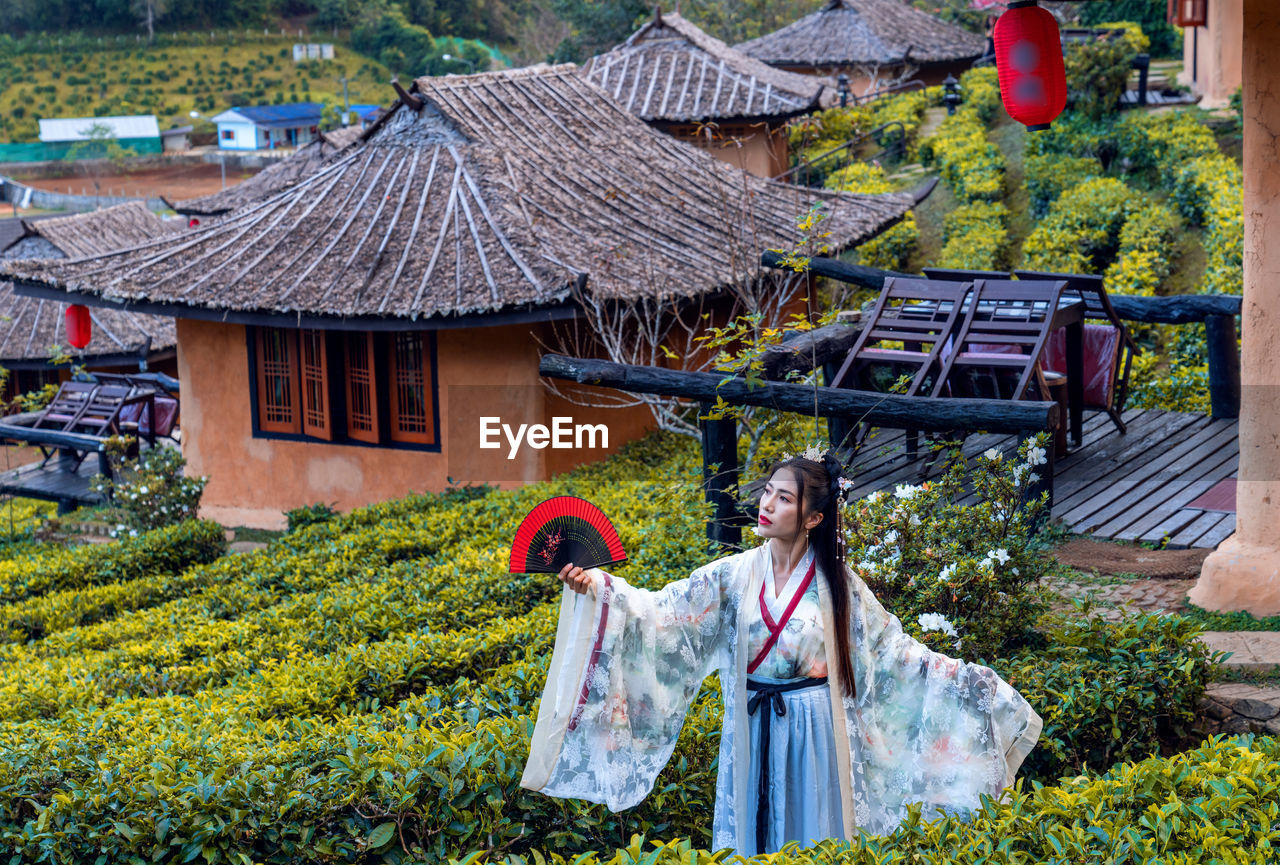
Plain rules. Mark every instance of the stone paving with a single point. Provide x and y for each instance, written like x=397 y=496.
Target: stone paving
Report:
x=1228 y=707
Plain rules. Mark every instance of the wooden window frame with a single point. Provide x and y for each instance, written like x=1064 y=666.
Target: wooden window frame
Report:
x=361 y=343
x=314 y=391
x=264 y=421
x=329 y=368
x=428 y=436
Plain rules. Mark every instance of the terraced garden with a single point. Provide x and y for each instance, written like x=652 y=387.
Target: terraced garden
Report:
x=363 y=690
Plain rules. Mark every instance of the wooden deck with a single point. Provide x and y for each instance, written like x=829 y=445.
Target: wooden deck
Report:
x=1133 y=487
x=68 y=489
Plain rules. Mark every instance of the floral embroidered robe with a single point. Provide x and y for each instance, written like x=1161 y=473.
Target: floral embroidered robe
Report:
x=628 y=662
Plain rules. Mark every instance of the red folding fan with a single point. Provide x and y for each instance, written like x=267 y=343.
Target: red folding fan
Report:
x=561 y=530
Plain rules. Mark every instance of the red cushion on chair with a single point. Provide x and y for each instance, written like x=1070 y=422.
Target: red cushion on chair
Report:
x=1101 y=342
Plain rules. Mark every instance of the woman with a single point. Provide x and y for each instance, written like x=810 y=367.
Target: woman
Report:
x=834 y=719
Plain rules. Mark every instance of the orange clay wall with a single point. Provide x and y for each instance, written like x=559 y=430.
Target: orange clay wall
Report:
x=252 y=481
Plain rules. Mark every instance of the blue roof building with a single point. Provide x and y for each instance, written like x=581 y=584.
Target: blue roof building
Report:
x=264 y=127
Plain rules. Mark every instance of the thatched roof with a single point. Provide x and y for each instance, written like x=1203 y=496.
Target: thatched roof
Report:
x=671 y=70
x=281 y=175
x=853 y=32
x=30 y=326
x=500 y=191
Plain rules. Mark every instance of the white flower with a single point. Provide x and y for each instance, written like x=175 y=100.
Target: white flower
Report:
x=1037 y=456
x=1033 y=478
x=946 y=573
x=915 y=519
x=891 y=536
x=1000 y=555
x=905 y=491
x=1015 y=571
x=936 y=622
x=992 y=454
x=143 y=489
x=875 y=497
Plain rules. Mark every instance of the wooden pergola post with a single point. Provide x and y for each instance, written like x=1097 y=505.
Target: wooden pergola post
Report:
x=1244 y=572
x=720 y=478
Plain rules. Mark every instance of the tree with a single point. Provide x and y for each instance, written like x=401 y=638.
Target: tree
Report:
x=149 y=11
x=97 y=152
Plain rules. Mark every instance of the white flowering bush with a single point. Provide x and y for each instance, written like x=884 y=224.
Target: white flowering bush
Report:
x=151 y=491
x=960 y=577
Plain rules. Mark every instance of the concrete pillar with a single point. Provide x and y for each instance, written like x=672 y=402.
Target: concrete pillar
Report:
x=1244 y=572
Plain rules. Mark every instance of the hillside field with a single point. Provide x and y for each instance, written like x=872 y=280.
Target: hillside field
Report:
x=126 y=77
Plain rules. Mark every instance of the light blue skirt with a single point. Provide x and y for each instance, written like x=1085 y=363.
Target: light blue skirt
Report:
x=804 y=787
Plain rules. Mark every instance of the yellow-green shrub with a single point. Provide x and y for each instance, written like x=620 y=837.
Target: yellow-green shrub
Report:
x=974 y=236
x=891 y=248
x=1104 y=225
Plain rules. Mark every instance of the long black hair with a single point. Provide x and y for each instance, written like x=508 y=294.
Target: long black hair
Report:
x=819 y=492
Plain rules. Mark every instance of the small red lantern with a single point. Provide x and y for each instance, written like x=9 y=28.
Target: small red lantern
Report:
x=1189 y=13
x=79 y=325
x=1033 y=78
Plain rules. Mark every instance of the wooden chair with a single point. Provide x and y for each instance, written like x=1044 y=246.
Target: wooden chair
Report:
x=1109 y=347
x=1002 y=337
x=63 y=411
x=908 y=315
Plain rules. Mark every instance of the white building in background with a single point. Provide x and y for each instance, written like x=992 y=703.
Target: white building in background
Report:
x=265 y=127
x=125 y=129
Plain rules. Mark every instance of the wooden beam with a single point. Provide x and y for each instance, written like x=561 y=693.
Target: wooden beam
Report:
x=1178 y=309
x=855 y=274
x=720 y=478
x=930 y=414
x=1224 y=365
x=53 y=438
x=810 y=349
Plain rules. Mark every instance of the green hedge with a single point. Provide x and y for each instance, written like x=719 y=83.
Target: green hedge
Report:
x=969 y=164
x=1050 y=175
x=167 y=550
x=1217 y=803
x=889 y=249
x=975 y=236
x=1105 y=225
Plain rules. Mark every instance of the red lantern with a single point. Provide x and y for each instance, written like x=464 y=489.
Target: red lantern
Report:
x=1033 y=79
x=1189 y=13
x=79 y=325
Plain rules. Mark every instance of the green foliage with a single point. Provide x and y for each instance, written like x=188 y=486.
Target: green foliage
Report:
x=972 y=166
x=308 y=515
x=1104 y=226
x=975 y=236
x=1049 y=175
x=924 y=555
x=152 y=491
x=891 y=248
x=1112 y=692
x=1097 y=75
x=1149 y=15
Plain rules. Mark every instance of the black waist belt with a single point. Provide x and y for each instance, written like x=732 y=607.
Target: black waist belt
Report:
x=771 y=696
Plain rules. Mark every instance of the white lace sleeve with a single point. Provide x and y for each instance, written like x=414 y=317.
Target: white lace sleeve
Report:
x=933 y=729
x=621 y=679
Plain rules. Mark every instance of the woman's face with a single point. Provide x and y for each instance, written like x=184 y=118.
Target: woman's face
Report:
x=780 y=507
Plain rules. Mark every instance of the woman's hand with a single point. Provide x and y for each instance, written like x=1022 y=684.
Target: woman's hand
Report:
x=575 y=578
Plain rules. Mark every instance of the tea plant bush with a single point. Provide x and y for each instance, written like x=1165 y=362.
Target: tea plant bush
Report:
x=972 y=166
x=363 y=690
x=890 y=249
x=975 y=236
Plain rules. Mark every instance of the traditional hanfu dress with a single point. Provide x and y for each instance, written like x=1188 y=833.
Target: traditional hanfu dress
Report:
x=628 y=662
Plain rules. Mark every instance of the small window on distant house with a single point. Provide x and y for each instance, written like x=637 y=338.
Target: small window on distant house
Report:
x=228 y=135
x=314 y=367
